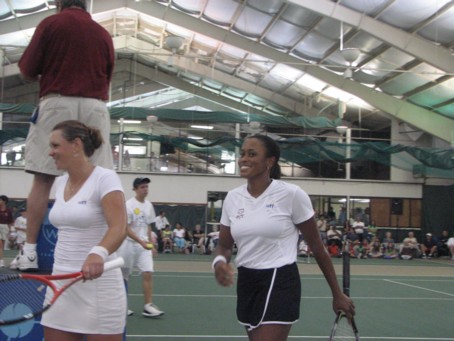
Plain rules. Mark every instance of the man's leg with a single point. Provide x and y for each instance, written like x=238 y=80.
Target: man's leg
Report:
x=147 y=286
x=37 y=202
x=149 y=310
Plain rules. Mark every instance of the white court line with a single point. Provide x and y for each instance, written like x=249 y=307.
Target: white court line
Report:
x=316 y=297
x=316 y=278
x=182 y=295
x=229 y=337
x=418 y=287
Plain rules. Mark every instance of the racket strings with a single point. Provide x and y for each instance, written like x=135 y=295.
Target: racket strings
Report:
x=344 y=331
x=18 y=293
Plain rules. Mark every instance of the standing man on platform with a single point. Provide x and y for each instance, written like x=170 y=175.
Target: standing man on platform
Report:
x=73 y=57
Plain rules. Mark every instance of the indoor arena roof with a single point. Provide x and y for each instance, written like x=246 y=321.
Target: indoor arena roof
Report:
x=356 y=62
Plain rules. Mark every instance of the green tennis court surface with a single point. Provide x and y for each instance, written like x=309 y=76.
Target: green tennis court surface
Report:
x=395 y=300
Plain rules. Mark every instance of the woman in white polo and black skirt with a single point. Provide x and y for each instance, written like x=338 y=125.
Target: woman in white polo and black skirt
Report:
x=262 y=218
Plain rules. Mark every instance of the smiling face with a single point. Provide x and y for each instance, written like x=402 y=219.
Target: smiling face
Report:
x=253 y=161
x=61 y=150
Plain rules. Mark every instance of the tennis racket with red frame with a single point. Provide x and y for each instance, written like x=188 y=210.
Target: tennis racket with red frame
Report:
x=343 y=329
x=25 y=296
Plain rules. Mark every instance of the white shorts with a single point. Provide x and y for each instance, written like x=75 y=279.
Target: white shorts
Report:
x=53 y=110
x=135 y=256
x=92 y=307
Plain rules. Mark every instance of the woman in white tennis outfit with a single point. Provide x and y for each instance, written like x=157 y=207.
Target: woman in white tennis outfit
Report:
x=90 y=215
x=263 y=218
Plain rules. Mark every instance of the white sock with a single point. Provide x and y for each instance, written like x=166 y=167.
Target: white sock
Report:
x=29 y=247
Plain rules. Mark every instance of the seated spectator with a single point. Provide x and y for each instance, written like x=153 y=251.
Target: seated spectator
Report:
x=359 y=228
x=442 y=245
x=188 y=241
x=179 y=234
x=450 y=244
x=389 y=247
x=322 y=227
x=212 y=240
x=429 y=246
x=334 y=241
x=375 y=249
x=350 y=235
x=303 y=249
x=167 y=240
x=160 y=223
x=361 y=248
x=372 y=230
x=198 y=239
x=388 y=238
x=410 y=247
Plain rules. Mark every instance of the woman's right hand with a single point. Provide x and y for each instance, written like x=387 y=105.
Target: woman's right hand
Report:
x=224 y=274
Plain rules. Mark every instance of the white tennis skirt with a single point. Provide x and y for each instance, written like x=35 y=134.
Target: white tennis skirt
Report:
x=92 y=307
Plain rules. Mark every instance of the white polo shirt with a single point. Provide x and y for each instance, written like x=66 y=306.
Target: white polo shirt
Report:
x=264 y=228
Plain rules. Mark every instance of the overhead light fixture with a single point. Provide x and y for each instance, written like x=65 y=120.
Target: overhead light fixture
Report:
x=254 y=125
x=152 y=119
x=174 y=43
x=196 y=126
x=350 y=55
x=129 y=121
x=133 y=139
x=341 y=130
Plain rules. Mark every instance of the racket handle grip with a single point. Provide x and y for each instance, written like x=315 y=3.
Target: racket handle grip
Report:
x=113 y=264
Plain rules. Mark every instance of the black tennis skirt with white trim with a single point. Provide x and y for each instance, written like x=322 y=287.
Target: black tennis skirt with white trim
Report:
x=268 y=296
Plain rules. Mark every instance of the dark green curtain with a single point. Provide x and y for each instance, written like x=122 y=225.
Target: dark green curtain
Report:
x=187 y=215
x=437 y=209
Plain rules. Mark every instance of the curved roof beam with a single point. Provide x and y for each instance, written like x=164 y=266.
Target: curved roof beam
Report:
x=432 y=54
x=184 y=63
x=175 y=82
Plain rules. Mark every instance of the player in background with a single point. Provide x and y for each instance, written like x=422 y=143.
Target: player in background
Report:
x=138 y=248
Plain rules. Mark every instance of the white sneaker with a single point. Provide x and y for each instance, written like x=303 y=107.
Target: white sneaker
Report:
x=27 y=260
x=130 y=312
x=14 y=263
x=2 y=263
x=151 y=310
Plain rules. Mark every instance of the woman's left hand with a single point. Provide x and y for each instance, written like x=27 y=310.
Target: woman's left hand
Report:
x=93 y=266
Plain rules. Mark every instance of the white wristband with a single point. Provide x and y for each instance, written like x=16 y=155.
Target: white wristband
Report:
x=219 y=258
x=100 y=251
